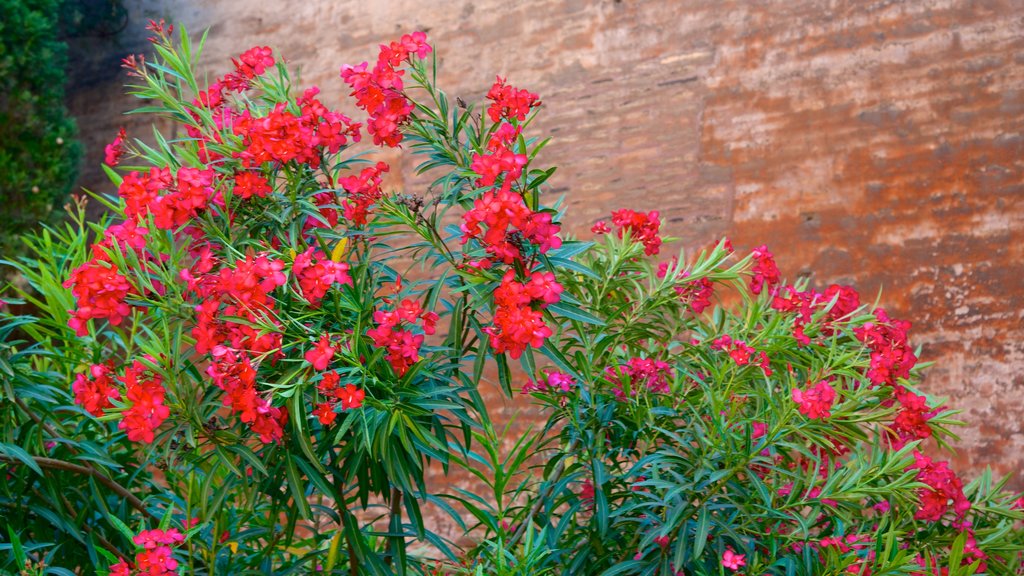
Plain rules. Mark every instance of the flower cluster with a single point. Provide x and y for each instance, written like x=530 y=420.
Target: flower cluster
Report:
x=316 y=274
x=816 y=401
x=363 y=190
x=741 y=353
x=518 y=316
x=891 y=355
x=643 y=228
x=347 y=397
x=144 y=393
x=765 y=272
x=100 y=291
x=282 y=136
x=509 y=102
x=552 y=382
x=394 y=334
x=172 y=200
x=378 y=91
x=156 y=557
x=844 y=299
x=112 y=152
x=510 y=227
x=240 y=291
x=95 y=391
x=250 y=64
x=944 y=490
x=640 y=373
x=500 y=161
x=911 y=422
x=249 y=184
x=695 y=294
x=234 y=373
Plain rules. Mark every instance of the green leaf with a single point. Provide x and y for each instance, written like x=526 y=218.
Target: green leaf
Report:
x=574 y=313
x=19 y=454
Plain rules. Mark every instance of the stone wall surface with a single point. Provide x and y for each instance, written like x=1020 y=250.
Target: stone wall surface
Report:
x=872 y=143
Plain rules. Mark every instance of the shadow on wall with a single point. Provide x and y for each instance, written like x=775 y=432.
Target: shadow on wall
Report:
x=100 y=34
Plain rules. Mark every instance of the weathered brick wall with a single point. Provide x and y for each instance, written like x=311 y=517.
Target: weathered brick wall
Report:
x=873 y=143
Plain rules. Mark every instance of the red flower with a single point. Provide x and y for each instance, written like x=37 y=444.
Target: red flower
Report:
x=640 y=373
x=517 y=324
x=315 y=279
x=766 y=273
x=508 y=223
x=150 y=539
x=254 y=61
x=235 y=375
x=249 y=184
x=95 y=392
x=891 y=355
x=363 y=191
x=100 y=291
x=911 y=422
x=144 y=394
x=817 y=401
x=601 y=227
x=943 y=487
x=325 y=413
x=642 y=228
x=320 y=355
x=510 y=102
x=555 y=382
x=378 y=90
x=403 y=345
x=501 y=161
x=351 y=397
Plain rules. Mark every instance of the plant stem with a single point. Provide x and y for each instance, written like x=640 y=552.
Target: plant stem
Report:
x=353 y=561
x=555 y=476
x=87 y=469
x=396 y=512
x=55 y=464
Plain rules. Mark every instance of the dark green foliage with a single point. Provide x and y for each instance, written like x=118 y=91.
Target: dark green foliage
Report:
x=68 y=480
x=38 y=153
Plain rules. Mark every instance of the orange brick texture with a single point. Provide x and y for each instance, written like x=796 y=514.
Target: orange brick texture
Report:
x=872 y=143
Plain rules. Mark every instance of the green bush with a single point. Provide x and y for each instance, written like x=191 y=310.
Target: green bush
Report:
x=38 y=153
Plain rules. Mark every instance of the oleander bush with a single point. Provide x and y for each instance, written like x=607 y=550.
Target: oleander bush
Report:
x=249 y=366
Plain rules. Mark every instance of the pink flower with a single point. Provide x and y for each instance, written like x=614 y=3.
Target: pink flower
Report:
x=320 y=355
x=112 y=152
x=510 y=102
x=732 y=560
x=150 y=539
x=766 y=273
x=817 y=401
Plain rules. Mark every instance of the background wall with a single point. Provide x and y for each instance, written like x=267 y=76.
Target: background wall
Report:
x=873 y=143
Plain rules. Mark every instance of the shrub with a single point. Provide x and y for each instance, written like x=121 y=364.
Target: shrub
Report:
x=286 y=347
x=38 y=153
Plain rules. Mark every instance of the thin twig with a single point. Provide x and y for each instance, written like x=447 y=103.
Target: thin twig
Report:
x=55 y=464
x=87 y=469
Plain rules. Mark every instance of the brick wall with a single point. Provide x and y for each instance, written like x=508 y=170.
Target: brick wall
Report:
x=871 y=143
